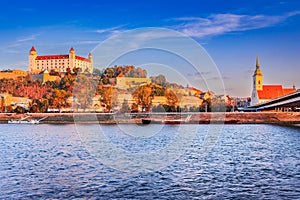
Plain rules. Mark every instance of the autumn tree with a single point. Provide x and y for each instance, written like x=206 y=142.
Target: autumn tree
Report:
x=59 y=99
x=39 y=106
x=134 y=108
x=108 y=96
x=172 y=100
x=143 y=96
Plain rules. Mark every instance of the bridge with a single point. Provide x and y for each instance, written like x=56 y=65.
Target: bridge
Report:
x=287 y=103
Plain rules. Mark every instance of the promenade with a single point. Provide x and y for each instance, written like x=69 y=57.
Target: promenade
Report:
x=193 y=118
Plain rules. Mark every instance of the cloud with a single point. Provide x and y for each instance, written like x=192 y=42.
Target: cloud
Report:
x=218 y=24
x=26 y=39
x=22 y=41
x=199 y=74
x=218 y=78
x=111 y=30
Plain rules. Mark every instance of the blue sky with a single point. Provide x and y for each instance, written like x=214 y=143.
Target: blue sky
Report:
x=232 y=32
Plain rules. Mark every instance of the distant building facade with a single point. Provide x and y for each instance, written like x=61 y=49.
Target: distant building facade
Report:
x=262 y=93
x=59 y=63
x=129 y=82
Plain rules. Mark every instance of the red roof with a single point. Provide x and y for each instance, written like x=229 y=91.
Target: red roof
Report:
x=72 y=49
x=82 y=58
x=194 y=89
x=32 y=48
x=273 y=91
x=52 y=57
x=288 y=90
x=49 y=57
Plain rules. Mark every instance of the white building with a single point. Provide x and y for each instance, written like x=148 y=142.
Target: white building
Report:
x=59 y=63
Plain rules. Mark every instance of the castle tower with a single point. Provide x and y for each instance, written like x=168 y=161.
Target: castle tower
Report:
x=257 y=82
x=31 y=60
x=72 y=58
x=91 y=63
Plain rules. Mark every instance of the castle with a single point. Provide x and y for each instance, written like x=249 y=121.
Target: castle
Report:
x=262 y=93
x=58 y=63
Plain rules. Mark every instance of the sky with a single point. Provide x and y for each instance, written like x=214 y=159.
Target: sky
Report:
x=231 y=33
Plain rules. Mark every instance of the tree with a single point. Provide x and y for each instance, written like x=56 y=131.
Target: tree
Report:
x=108 y=96
x=134 y=108
x=206 y=105
x=20 y=110
x=59 y=99
x=143 y=97
x=160 y=80
x=158 y=108
x=172 y=100
x=39 y=106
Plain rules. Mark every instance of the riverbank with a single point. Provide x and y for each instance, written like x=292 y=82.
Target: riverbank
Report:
x=190 y=118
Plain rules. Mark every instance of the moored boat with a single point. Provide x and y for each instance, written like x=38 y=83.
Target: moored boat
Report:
x=20 y=121
x=25 y=121
x=146 y=121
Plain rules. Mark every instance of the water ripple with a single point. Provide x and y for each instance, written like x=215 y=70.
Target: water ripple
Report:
x=248 y=162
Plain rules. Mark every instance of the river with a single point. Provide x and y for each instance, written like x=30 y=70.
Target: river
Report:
x=149 y=162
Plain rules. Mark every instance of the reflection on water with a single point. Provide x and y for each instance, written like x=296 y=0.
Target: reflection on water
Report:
x=248 y=162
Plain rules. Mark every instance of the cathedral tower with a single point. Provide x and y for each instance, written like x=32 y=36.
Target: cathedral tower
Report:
x=257 y=83
x=258 y=76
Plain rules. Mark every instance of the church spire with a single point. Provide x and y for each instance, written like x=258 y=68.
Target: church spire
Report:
x=257 y=62
x=257 y=76
x=257 y=70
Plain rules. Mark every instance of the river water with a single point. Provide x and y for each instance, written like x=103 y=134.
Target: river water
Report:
x=114 y=162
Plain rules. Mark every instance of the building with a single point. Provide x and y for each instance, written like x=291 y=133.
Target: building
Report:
x=192 y=91
x=20 y=101
x=262 y=93
x=12 y=74
x=190 y=101
x=5 y=101
x=129 y=82
x=44 y=77
x=59 y=63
